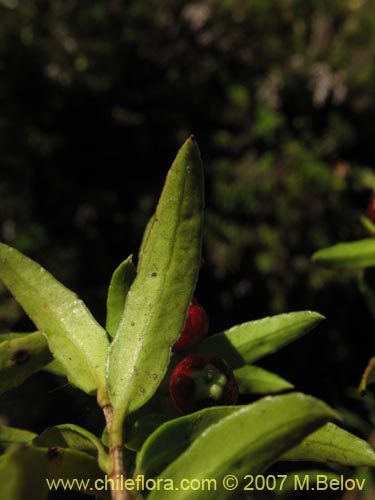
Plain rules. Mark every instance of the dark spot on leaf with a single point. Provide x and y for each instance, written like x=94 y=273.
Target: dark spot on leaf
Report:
x=154 y=273
x=20 y=357
x=132 y=323
x=154 y=376
x=53 y=453
x=142 y=390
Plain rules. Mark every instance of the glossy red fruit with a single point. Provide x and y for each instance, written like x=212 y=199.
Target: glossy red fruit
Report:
x=196 y=327
x=371 y=209
x=199 y=381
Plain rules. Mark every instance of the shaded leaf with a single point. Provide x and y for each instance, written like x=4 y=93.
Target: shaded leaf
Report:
x=120 y=284
x=12 y=336
x=368 y=224
x=74 y=437
x=22 y=474
x=20 y=357
x=255 y=380
x=352 y=255
x=250 y=341
x=142 y=428
x=25 y=472
x=11 y=435
x=331 y=444
x=355 y=421
x=53 y=367
x=247 y=442
x=74 y=337
x=179 y=433
x=158 y=299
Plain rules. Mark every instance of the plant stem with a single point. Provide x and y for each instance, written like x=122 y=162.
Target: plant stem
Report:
x=117 y=474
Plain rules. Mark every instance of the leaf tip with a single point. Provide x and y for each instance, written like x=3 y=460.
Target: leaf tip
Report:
x=316 y=317
x=316 y=256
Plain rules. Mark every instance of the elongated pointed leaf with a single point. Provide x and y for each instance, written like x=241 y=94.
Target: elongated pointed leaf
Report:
x=368 y=224
x=74 y=337
x=255 y=380
x=331 y=444
x=353 y=255
x=245 y=442
x=11 y=435
x=74 y=437
x=31 y=472
x=21 y=357
x=157 y=301
x=179 y=433
x=250 y=341
x=120 y=284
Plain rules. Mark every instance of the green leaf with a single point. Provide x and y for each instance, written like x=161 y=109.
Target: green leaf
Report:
x=25 y=472
x=368 y=376
x=158 y=299
x=121 y=281
x=56 y=368
x=250 y=341
x=53 y=367
x=179 y=433
x=142 y=428
x=74 y=437
x=20 y=357
x=353 y=255
x=331 y=444
x=368 y=224
x=12 y=336
x=11 y=435
x=74 y=337
x=22 y=474
x=246 y=442
x=255 y=380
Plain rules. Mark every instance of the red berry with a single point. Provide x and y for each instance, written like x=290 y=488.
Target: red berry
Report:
x=196 y=327
x=199 y=381
x=371 y=209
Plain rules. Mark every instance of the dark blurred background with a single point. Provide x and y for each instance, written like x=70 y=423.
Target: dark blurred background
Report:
x=97 y=96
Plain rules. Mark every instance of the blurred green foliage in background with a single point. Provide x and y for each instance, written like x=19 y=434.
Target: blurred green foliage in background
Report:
x=95 y=99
